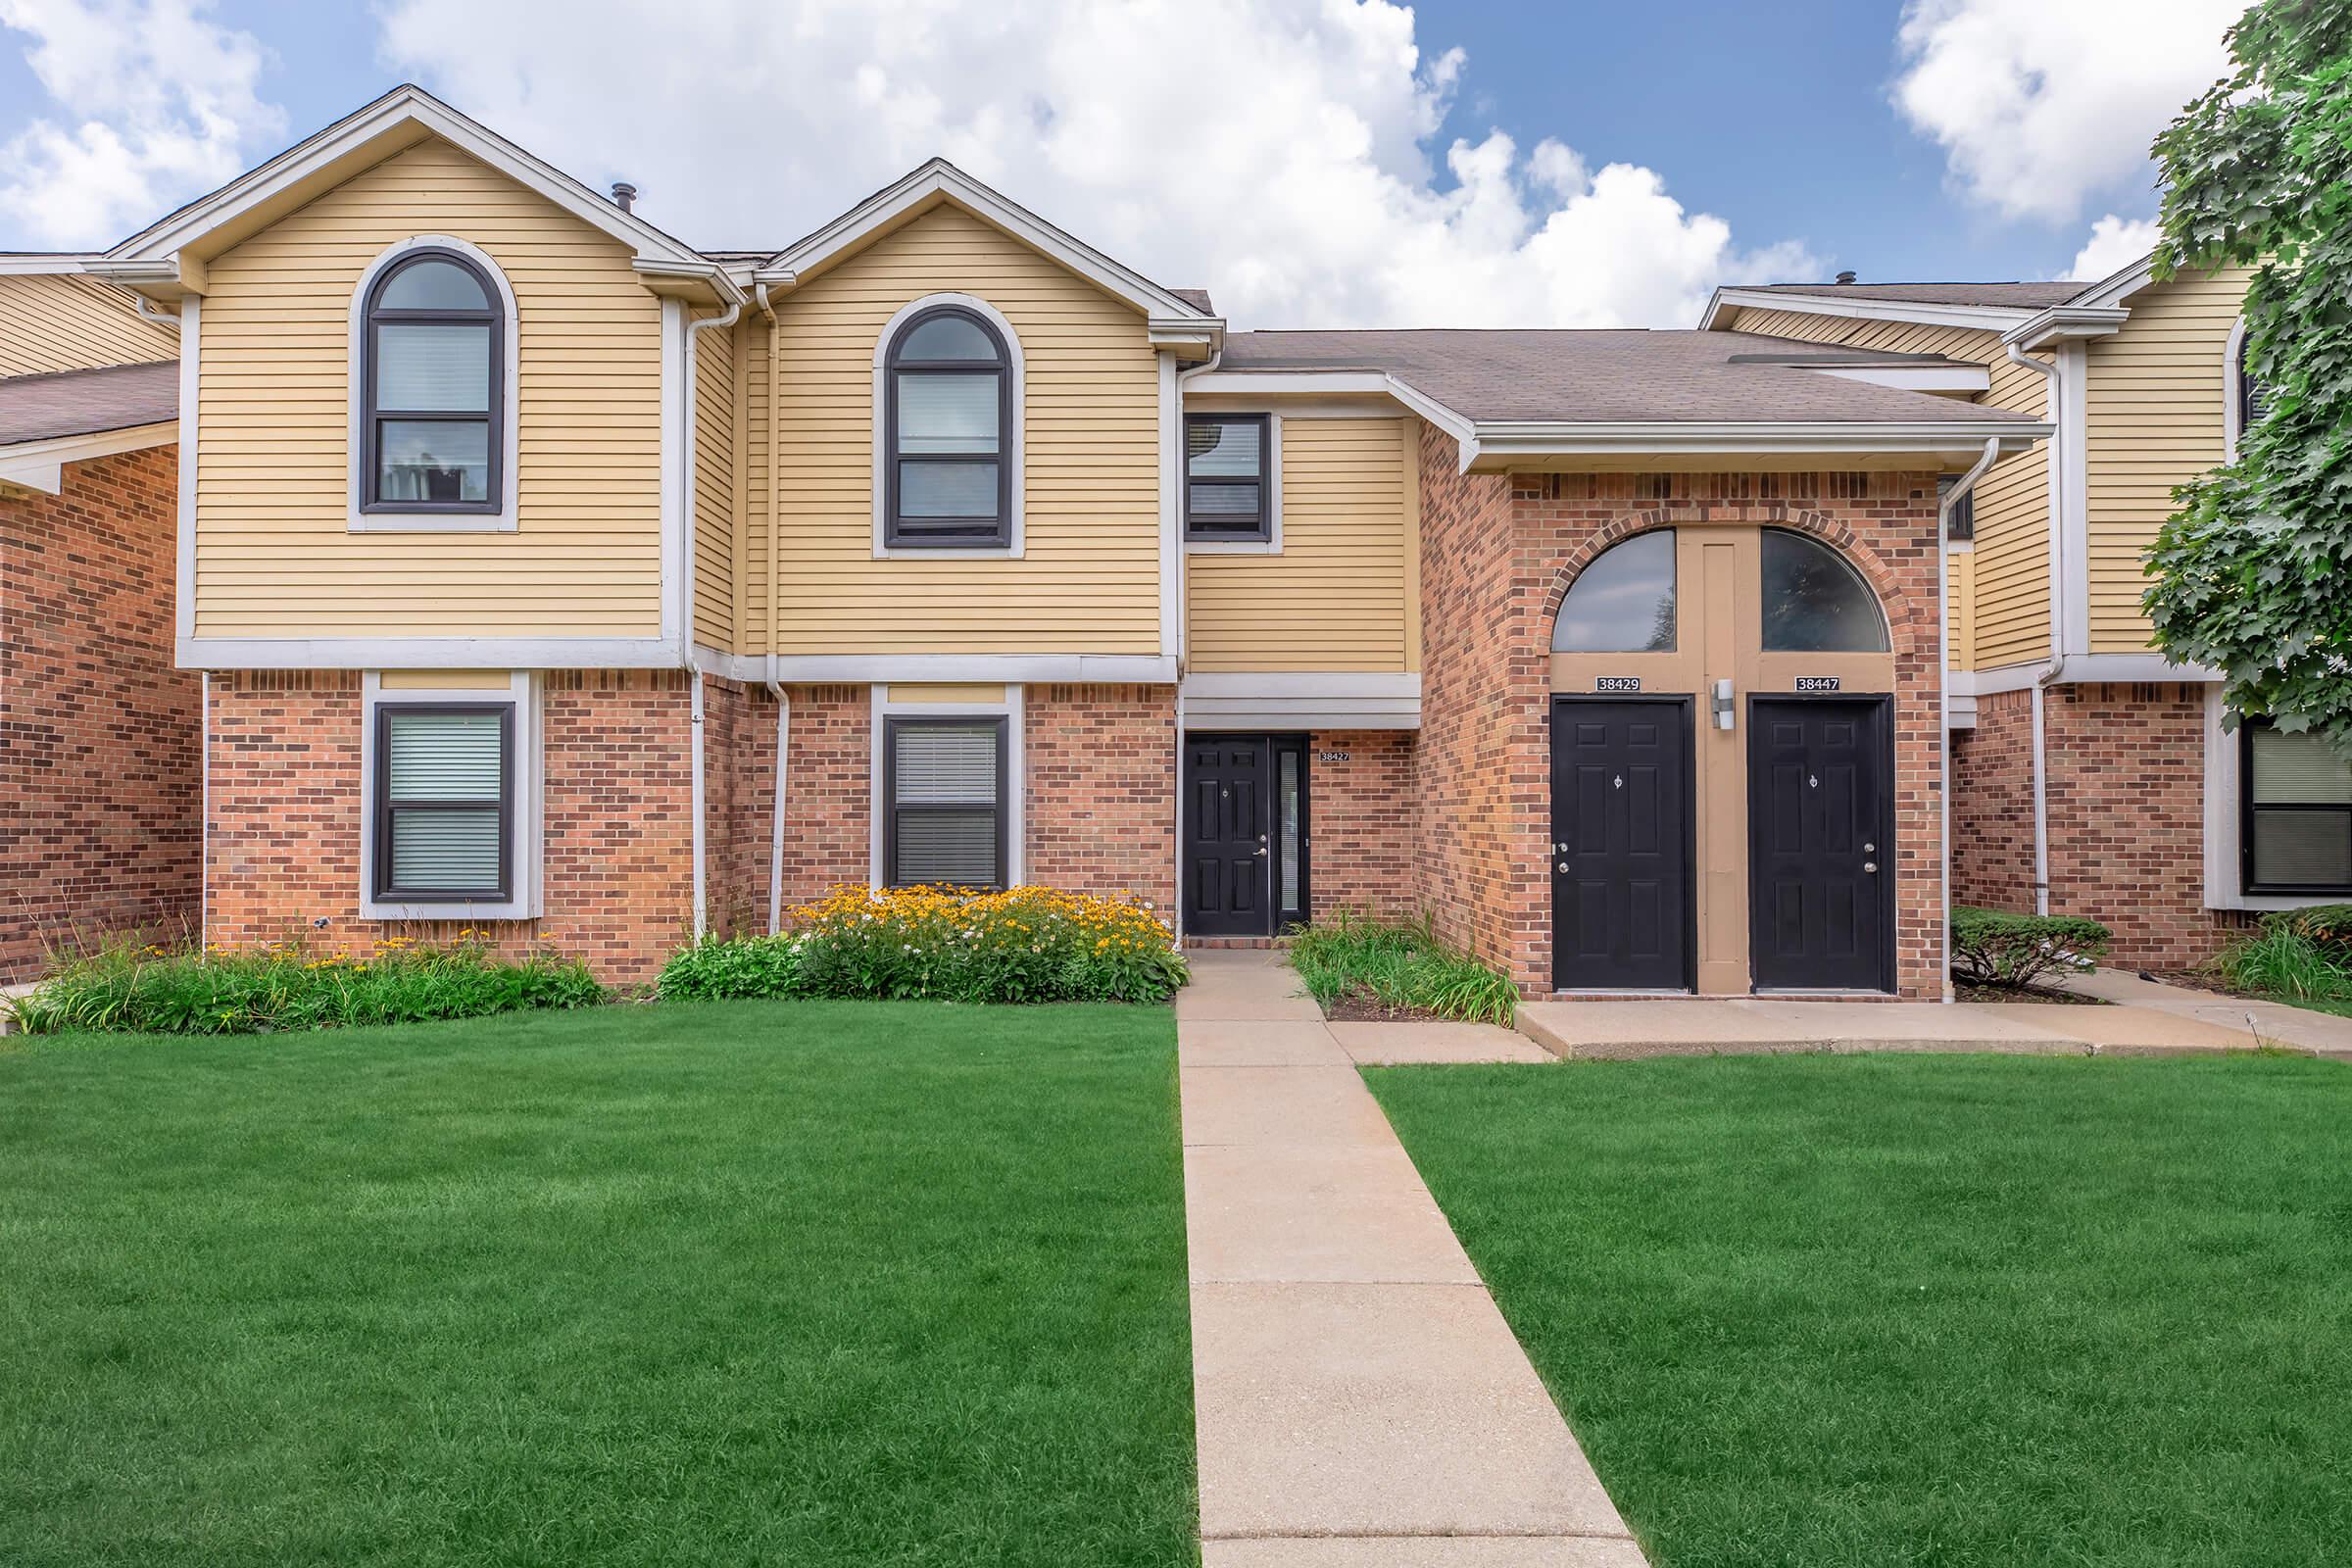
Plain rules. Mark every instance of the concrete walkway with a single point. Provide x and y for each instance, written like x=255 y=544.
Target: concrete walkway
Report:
x=1360 y=1401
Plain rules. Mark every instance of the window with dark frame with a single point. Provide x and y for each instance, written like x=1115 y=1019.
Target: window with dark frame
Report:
x=944 y=789
x=1226 y=462
x=2253 y=398
x=444 y=816
x=947 y=474
x=432 y=388
x=2294 y=813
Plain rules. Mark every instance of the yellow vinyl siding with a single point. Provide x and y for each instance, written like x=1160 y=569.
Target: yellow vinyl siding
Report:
x=1335 y=598
x=2010 y=571
x=2153 y=411
x=714 y=487
x=1089 y=580
x=66 y=321
x=274 y=556
x=1964 y=611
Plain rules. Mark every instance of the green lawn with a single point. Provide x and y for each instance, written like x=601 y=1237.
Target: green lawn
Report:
x=788 y=1283
x=1877 y=1311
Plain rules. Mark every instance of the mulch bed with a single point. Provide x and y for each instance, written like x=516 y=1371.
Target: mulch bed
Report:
x=1356 y=1008
x=1964 y=991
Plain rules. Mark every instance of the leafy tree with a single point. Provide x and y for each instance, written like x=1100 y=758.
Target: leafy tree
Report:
x=2254 y=572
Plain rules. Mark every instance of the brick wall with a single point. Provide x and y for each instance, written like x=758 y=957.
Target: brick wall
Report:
x=1363 y=823
x=828 y=808
x=100 y=771
x=617 y=868
x=1100 y=808
x=1497 y=560
x=1992 y=806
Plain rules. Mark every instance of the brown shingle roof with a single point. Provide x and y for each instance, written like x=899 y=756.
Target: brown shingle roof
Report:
x=2000 y=296
x=44 y=407
x=1611 y=376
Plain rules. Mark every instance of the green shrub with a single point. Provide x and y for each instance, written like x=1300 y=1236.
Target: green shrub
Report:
x=2285 y=960
x=1994 y=947
x=951 y=944
x=284 y=987
x=2327 y=927
x=1399 y=964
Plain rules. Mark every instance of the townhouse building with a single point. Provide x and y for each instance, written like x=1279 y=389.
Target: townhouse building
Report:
x=551 y=578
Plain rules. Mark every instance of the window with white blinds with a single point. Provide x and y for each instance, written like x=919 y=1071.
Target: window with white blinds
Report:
x=444 y=801
x=1225 y=462
x=430 y=388
x=2296 y=803
x=949 y=392
x=946 y=802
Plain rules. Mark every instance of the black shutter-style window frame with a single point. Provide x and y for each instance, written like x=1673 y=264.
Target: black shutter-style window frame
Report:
x=893 y=810
x=386 y=889
x=372 y=416
x=2247 y=811
x=1238 y=526
x=2253 y=398
x=989 y=532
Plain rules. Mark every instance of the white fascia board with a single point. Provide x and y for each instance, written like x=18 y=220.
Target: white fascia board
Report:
x=1500 y=441
x=1941 y=379
x=2119 y=285
x=426 y=653
x=403 y=106
x=2083 y=669
x=1204 y=334
x=2067 y=323
x=1331 y=383
x=35 y=264
x=1303 y=684
x=40 y=465
x=1012 y=669
x=938 y=177
x=1312 y=700
x=1983 y=318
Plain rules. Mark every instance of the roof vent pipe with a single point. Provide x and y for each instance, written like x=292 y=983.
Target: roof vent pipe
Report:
x=624 y=194
x=1843 y=277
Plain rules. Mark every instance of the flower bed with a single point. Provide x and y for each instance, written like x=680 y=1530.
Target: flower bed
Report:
x=286 y=985
x=951 y=944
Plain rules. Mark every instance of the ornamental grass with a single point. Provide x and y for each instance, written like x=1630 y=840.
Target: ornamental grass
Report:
x=287 y=985
x=1025 y=944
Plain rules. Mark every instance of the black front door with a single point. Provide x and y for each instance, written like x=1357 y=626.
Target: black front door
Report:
x=1228 y=836
x=1821 y=869
x=1621 y=845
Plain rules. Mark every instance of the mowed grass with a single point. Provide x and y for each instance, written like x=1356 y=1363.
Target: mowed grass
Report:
x=1876 y=1312
x=797 y=1283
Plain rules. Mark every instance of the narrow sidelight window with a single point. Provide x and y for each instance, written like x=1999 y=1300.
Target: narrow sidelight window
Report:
x=2253 y=398
x=444 y=802
x=2295 y=830
x=430 y=388
x=949 y=383
x=1227 y=457
x=945 y=793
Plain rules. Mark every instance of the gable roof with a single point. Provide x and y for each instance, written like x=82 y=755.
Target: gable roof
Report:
x=71 y=403
x=1998 y=296
x=400 y=119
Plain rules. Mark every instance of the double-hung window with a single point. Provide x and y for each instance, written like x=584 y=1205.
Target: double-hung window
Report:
x=944 y=790
x=445 y=802
x=947 y=471
x=1227 y=459
x=431 y=388
x=2295 y=795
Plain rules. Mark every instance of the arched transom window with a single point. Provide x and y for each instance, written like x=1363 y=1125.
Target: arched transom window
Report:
x=948 y=474
x=431 y=387
x=1815 y=602
x=1623 y=601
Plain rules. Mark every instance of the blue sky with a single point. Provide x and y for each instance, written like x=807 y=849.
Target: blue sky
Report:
x=1315 y=162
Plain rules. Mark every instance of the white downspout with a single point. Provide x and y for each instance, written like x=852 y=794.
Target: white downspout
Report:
x=686 y=511
x=2052 y=397
x=204 y=836
x=1943 y=680
x=1216 y=356
x=775 y=558
x=775 y=844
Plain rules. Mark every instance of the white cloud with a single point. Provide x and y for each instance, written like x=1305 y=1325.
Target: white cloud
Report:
x=1282 y=152
x=2041 y=104
x=2115 y=243
x=154 y=102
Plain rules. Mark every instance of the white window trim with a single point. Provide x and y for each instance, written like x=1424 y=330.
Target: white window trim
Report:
x=1271 y=545
x=522 y=689
x=1009 y=707
x=1015 y=441
x=504 y=519
x=2231 y=401
x=2224 y=860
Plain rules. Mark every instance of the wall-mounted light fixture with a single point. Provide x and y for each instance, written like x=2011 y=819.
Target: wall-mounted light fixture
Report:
x=1722 y=705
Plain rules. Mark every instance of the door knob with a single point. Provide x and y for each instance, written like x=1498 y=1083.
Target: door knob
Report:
x=1867 y=865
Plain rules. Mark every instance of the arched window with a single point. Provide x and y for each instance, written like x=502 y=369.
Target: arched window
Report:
x=1622 y=601
x=432 y=387
x=1815 y=602
x=948 y=379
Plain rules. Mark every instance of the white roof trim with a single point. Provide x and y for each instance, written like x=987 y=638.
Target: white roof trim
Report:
x=938 y=177
x=2065 y=323
x=1534 y=438
x=38 y=263
x=42 y=464
x=1983 y=318
x=405 y=105
x=1331 y=383
x=2115 y=288
x=1940 y=379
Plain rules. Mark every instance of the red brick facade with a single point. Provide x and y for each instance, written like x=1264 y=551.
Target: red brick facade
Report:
x=1362 y=828
x=99 y=752
x=1992 y=804
x=1099 y=813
